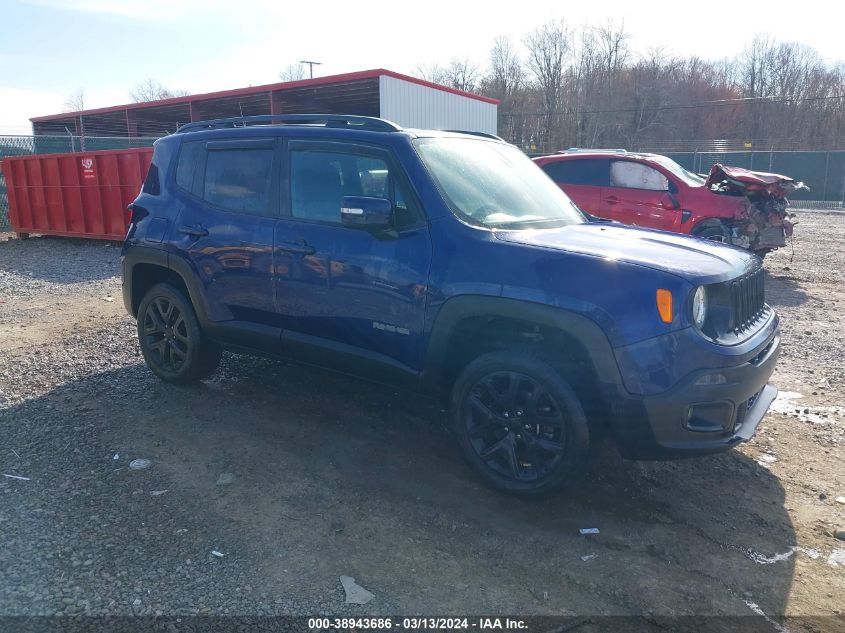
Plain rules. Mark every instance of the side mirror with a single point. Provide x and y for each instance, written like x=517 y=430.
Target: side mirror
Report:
x=365 y=212
x=669 y=201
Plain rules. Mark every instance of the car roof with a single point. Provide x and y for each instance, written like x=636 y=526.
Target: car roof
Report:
x=621 y=155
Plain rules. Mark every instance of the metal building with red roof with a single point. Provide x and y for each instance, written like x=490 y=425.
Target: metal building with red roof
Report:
x=408 y=101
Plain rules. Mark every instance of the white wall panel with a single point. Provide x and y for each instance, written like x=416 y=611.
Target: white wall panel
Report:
x=414 y=105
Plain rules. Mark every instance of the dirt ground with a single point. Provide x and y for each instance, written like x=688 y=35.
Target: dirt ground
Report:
x=324 y=476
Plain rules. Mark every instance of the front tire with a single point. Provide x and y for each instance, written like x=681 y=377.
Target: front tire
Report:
x=714 y=232
x=519 y=424
x=172 y=343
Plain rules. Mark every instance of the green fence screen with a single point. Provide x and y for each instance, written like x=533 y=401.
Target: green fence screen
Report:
x=822 y=172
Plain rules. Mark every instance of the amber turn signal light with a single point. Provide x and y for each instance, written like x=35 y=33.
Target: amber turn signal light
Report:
x=664 y=305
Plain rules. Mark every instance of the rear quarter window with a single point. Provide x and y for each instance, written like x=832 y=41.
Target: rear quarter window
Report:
x=190 y=155
x=152 y=185
x=584 y=171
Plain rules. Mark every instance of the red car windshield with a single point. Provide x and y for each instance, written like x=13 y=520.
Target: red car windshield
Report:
x=688 y=177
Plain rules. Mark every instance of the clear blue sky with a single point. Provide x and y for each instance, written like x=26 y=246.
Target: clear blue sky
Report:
x=51 y=48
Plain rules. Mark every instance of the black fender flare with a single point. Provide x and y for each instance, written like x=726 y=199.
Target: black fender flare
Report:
x=581 y=328
x=159 y=257
x=132 y=256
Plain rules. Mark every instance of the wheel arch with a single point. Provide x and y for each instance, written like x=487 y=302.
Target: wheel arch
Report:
x=467 y=327
x=706 y=223
x=145 y=267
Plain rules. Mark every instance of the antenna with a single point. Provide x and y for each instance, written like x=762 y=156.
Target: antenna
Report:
x=310 y=66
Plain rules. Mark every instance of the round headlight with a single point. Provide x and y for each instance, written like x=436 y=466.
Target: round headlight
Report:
x=699 y=306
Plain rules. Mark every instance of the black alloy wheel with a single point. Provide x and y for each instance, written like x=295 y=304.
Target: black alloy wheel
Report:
x=519 y=423
x=166 y=334
x=173 y=345
x=515 y=426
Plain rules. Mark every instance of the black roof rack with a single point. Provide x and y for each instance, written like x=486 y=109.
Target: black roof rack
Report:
x=329 y=120
x=482 y=134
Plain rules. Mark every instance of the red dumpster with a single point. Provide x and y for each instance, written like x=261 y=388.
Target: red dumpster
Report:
x=84 y=194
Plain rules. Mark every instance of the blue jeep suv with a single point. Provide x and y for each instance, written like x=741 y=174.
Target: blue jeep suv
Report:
x=449 y=263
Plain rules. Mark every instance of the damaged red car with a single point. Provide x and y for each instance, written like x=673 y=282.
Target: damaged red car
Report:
x=732 y=205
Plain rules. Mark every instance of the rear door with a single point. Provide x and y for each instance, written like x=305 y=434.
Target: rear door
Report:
x=225 y=229
x=350 y=296
x=639 y=194
x=582 y=179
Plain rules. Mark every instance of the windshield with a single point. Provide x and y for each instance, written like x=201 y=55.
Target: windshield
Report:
x=687 y=176
x=495 y=185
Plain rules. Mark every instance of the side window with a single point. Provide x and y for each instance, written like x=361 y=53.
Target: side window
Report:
x=320 y=180
x=239 y=179
x=631 y=175
x=584 y=171
x=189 y=157
x=152 y=185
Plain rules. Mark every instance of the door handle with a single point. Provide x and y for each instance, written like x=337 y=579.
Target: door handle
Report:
x=300 y=247
x=611 y=200
x=193 y=231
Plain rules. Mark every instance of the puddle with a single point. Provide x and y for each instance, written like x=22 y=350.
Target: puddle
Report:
x=761 y=559
x=787 y=402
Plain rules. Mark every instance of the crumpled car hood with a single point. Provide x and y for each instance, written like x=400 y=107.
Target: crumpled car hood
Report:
x=751 y=183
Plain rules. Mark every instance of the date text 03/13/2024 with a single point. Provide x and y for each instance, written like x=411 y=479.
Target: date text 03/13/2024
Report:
x=418 y=623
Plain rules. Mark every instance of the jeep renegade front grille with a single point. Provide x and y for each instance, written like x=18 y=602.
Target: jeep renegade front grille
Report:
x=748 y=299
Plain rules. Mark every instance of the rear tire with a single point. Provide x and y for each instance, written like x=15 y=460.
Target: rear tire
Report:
x=172 y=343
x=519 y=424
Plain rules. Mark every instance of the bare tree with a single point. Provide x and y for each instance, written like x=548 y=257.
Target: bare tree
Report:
x=293 y=72
x=75 y=101
x=586 y=88
x=462 y=74
x=651 y=84
x=612 y=41
x=434 y=73
x=507 y=74
x=506 y=82
x=152 y=90
x=548 y=48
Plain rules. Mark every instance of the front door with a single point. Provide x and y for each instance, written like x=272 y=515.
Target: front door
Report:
x=350 y=295
x=638 y=194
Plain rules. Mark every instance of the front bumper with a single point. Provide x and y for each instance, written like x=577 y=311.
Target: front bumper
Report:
x=708 y=411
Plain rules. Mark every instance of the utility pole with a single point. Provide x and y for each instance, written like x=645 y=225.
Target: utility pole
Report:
x=310 y=66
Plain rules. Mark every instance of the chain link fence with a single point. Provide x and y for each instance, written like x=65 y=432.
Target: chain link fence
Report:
x=24 y=145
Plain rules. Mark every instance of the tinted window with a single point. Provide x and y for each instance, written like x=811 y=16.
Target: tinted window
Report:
x=585 y=171
x=151 y=182
x=631 y=175
x=320 y=180
x=239 y=179
x=189 y=157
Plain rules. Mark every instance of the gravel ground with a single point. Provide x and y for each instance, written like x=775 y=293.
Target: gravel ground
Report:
x=298 y=477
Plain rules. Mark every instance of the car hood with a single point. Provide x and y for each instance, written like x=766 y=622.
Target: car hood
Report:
x=696 y=260
x=724 y=179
